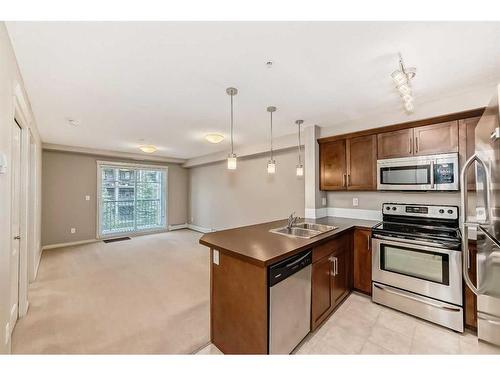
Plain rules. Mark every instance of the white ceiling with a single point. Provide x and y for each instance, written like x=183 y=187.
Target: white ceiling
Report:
x=164 y=82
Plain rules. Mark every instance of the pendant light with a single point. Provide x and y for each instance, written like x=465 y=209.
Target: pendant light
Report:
x=231 y=158
x=300 y=167
x=271 y=164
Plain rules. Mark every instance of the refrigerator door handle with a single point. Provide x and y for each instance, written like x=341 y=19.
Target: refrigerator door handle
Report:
x=465 y=224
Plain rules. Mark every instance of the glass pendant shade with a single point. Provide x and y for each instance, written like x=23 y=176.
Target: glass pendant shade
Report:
x=300 y=170
x=231 y=161
x=271 y=167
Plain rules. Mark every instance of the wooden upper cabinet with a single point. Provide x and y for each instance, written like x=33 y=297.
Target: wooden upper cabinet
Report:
x=436 y=139
x=333 y=171
x=395 y=144
x=361 y=157
x=466 y=144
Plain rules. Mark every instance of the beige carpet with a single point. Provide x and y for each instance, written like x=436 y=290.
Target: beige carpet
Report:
x=146 y=295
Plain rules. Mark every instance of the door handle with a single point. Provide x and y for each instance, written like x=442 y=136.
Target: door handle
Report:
x=17 y=237
x=414 y=298
x=432 y=174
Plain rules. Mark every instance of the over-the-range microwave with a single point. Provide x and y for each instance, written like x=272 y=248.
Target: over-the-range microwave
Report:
x=419 y=173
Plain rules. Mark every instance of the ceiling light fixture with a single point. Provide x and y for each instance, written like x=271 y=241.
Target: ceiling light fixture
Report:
x=214 y=138
x=402 y=78
x=271 y=164
x=148 y=149
x=231 y=158
x=300 y=167
x=73 y=122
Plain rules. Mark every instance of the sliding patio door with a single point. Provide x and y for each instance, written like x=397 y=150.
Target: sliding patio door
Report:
x=132 y=198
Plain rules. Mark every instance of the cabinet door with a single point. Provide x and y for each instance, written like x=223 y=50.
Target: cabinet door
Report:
x=466 y=144
x=362 y=163
x=436 y=139
x=321 y=292
x=362 y=261
x=470 y=297
x=333 y=172
x=395 y=144
x=340 y=279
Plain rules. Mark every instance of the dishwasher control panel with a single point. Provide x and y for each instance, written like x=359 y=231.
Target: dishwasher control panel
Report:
x=289 y=266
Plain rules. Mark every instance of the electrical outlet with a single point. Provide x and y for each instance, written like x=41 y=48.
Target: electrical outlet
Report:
x=323 y=201
x=87 y=197
x=216 y=257
x=355 y=202
x=73 y=230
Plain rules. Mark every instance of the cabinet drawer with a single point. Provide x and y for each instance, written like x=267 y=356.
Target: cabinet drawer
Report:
x=329 y=247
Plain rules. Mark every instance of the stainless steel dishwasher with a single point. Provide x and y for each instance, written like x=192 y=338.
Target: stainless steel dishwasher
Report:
x=289 y=302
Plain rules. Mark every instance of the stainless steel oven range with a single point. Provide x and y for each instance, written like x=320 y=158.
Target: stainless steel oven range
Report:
x=417 y=262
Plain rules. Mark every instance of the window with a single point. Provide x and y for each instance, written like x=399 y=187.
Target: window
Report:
x=131 y=199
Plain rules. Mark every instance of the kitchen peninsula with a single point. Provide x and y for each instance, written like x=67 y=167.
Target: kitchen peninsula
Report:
x=240 y=259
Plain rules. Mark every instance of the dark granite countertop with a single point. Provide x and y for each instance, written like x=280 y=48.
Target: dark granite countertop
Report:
x=255 y=244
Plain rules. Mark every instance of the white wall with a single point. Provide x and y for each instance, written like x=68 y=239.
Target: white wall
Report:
x=10 y=78
x=223 y=199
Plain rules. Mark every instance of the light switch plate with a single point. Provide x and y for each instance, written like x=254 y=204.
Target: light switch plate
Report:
x=323 y=201
x=73 y=230
x=355 y=202
x=216 y=256
x=87 y=197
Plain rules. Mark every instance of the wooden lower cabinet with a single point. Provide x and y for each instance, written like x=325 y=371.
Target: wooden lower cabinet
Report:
x=331 y=278
x=470 y=299
x=362 y=266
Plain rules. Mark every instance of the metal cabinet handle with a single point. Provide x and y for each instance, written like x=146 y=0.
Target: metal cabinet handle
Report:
x=416 y=144
x=409 y=145
x=344 y=180
x=348 y=179
x=368 y=242
x=335 y=263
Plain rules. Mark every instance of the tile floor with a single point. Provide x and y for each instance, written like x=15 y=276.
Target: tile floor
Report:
x=360 y=326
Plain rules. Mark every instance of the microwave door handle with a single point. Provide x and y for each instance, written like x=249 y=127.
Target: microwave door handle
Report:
x=432 y=174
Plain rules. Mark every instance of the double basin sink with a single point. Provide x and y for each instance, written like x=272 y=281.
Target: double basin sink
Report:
x=303 y=230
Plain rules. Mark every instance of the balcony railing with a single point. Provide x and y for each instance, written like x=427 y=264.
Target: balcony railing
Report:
x=129 y=215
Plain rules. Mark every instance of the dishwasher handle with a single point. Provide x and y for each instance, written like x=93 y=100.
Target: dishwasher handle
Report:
x=280 y=271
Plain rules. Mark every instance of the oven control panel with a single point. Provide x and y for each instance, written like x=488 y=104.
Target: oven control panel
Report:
x=429 y=211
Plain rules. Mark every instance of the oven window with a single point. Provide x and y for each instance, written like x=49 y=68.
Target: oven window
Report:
x=425 y=265
x=407 y=175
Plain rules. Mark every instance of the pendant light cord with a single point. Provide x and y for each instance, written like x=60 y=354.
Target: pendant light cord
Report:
x=271 y=136
x=300 y=162
x=232 y=149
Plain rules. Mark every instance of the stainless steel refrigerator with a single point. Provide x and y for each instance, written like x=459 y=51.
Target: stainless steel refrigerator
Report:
x=486 y=162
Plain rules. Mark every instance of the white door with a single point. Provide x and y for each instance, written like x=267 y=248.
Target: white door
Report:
x=16 y=224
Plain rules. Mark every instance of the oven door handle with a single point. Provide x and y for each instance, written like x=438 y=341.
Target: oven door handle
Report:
x=404 y=295
x=393 y=240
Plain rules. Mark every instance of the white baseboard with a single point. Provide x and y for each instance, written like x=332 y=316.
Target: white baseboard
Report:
x=199 y=229
x=177 y=226
x=354 y=213
x=58 y=245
